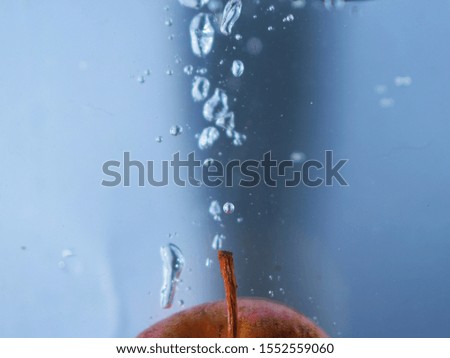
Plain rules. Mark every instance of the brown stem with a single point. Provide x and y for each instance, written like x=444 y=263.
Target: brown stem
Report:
x=229 y=281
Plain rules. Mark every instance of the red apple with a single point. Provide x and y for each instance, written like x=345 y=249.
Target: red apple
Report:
x=257 y=318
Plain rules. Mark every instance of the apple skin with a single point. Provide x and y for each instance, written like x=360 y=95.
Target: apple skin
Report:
x=257 y=318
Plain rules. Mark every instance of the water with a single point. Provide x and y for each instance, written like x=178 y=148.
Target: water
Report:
x=202 y=34
x=230 y=15
x=200 y=88
x=321 y=81
x=173 y=264
x=217 y=106
x=237 y=68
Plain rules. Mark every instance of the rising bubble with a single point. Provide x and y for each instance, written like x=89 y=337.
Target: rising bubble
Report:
x=216 y=106
x=230 y=15
x=218 y=241
x=176 y=130
x=202 y=34
x=173 y=263
x=194 y=4
x=208 y=137
x=237 y=68
x=200 y=88
x=228 y=208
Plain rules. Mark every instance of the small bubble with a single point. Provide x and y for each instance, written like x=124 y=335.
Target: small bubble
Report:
x=62 y=265
x=238 y=138
x=404 y=81
x=194 y=4
x=228 y=208
x=140 y=79
x=200 y=88
x=240 y=220
x=147 y=73
x=214 y=208
x=238 y=37
x=218 y=241
x=171 y=36
x=271 y=8
x=271 y=293
x=230 y=15
x=270 y=277
x=181 y=303
x=298 y=157
x=237 y=68
x=176 y=130
x=189 y=69
x=202 y=71
x=168 y=22
x=289 y=18
x=282 y=290
x=208 y=262
x=270 y=28
x=169 y=72
x=208 y=137
x=252 y=291
x=66 y=253
x=202 y=34
x=298 y=4
x=177 y=59
x=159 y=139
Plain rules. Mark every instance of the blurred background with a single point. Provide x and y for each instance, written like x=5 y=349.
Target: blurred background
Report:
x=83 y=82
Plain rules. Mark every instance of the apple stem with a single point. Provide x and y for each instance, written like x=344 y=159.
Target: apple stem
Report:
x=229 y=281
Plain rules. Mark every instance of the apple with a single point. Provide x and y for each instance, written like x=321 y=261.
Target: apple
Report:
x=258 y=318
x=235 y=318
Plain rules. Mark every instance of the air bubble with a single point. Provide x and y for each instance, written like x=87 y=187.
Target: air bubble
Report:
x=216 y=106
x=200 y=88
x=202 y=34
x=189 y=69
x=218 y=241
x=214 y=208
x=194 y=4
x=230 y=15
x=237 y=68
x=289 y=18
x=298 y=157
x=173 y=264
x=176 y=130
x=208 y=137
x=228 y=208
